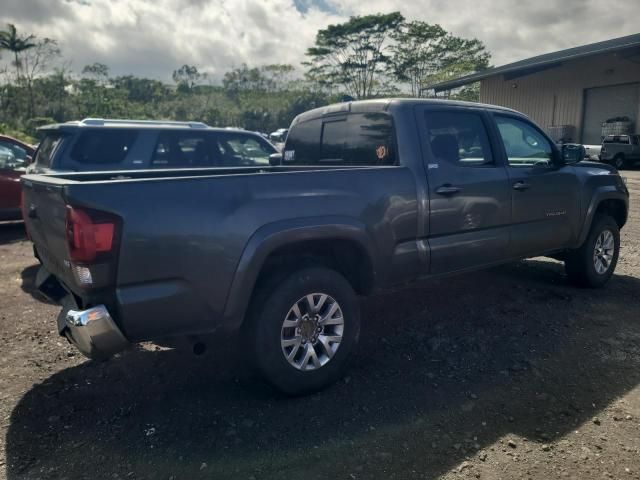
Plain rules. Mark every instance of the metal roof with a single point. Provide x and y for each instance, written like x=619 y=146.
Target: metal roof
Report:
x=543 y=62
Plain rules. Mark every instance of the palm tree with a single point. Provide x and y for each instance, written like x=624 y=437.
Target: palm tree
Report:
x=10 y=40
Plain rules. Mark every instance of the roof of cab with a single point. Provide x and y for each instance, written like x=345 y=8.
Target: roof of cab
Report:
x=385 y=104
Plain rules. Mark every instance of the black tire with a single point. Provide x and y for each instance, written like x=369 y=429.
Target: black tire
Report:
x=619 y=162
x=267 y=313
x=580 y=264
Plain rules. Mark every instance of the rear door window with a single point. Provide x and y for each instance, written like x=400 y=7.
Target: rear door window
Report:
x=459 y=137
x=103 y=147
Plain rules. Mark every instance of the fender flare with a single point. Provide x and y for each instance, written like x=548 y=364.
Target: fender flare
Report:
x=602 y=193
x=272 y=236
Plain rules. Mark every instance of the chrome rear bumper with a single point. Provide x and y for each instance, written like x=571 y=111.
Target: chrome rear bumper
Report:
x=94 y=332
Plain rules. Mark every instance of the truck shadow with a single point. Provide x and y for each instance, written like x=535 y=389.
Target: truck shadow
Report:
x=28 y=284
x=445 y=370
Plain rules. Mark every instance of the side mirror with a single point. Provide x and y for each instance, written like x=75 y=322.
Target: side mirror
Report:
x=572 y=153
x=275 y=159
x=28 y=160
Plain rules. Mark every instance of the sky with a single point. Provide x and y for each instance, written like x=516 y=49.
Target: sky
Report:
x=154 y=37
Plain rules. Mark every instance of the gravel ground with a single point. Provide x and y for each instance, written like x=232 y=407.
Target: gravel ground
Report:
x=508 y=373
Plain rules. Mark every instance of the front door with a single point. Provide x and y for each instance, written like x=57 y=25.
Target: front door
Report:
x=469 y=194
x=545 y=193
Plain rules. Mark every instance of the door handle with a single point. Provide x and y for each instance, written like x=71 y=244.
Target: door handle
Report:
x=521 y=185
x=447 y=190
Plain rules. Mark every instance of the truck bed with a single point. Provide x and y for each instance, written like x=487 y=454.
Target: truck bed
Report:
x=184 y=233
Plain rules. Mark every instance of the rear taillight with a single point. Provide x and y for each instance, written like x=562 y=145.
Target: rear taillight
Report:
x=91 y=235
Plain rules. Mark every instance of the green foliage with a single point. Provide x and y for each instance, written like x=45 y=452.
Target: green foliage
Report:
x=10 y=40
x=366 y=56
x=98 y=72
x=424 y=54
x=417 y=53
x=186 y=78
x=15 y=133
x=353 y=54
x=468 y=93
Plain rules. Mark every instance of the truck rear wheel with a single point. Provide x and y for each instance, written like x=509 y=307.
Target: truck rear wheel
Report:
x=304 y=330
x=593 y=263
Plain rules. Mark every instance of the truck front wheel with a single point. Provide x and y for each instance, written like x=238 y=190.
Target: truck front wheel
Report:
x=593 y=263
x=304 y=330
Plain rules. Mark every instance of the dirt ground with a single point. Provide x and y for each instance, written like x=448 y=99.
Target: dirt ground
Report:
x=505 y=374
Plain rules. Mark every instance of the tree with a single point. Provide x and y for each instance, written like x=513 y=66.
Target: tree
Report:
x=268 y=78
x=10 y=40
x=460 y=57
x=423 y=54
x=98 y=72
x=186 y=78
x=417 y=54
x=353 y=54
x=38 y=61
x=278 y=76
x=244 y=78
x=143 y=90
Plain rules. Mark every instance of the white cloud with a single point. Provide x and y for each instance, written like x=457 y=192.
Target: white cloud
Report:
x=154 y=37
x=515 y=29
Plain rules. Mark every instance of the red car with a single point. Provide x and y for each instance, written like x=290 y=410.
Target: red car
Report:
x=14 y=158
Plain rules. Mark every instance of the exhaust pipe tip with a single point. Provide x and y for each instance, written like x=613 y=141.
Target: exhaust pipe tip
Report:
x=199 y=348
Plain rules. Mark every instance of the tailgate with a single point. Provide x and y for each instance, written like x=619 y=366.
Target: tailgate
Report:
x=45 y=217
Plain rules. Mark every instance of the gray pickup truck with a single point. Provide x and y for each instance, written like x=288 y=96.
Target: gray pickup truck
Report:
x=364 y=196
x=621 y=151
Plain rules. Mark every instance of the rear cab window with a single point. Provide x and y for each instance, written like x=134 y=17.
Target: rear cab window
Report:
x=622 y=139
x=355 y=139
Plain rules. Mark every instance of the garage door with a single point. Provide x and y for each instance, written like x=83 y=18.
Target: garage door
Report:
x=607 y=102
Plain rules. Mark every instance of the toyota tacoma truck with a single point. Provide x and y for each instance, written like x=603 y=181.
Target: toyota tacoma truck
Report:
x=365 y=195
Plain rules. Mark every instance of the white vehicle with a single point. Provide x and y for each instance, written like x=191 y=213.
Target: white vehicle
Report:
x=592 y=152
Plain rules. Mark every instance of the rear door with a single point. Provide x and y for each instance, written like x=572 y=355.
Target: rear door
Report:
x=469 y=195
x=545 y=194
